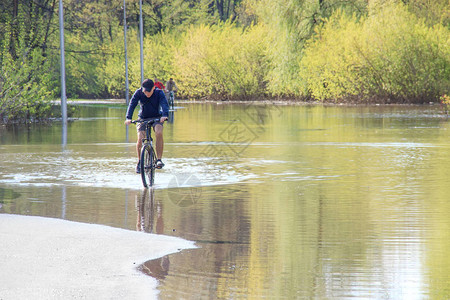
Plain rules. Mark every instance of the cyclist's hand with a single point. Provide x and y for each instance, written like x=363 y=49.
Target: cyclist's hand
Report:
x=163 y=119
x=127 y=122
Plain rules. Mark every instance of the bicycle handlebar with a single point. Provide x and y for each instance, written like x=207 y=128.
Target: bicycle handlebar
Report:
x=148 y=121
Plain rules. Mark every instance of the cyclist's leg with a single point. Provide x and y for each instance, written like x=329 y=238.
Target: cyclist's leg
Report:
x=140 y=137
x=158 y=128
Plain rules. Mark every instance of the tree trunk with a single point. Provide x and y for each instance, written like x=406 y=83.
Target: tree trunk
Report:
x=219 y=5
x=14 y=37
x=47 y=29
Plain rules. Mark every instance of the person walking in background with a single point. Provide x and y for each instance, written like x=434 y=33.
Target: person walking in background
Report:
x=152 y=101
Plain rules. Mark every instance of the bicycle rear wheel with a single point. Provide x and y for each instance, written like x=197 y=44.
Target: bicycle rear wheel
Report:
x=148 y=161
x=171 y=99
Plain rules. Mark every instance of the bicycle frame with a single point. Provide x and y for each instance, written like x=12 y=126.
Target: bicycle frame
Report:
x=148 y=129
x=171 y=98
x=148 y=154
x=148 y=134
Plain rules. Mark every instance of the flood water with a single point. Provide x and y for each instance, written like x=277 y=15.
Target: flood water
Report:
x=285 y=202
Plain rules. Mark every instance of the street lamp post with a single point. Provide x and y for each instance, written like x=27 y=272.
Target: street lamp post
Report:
x=63 y=75
x=141 y=29
x=126 y=56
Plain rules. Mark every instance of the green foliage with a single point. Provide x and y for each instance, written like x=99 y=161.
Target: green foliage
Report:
x=24 y=83
x=169 y=15
x=27 y=79
x=82 y=77
x=445 y=103
x=94 y=42
x=180 y=14
x=111 y=71
x=222 y=60
x=432 y=12
x=158 y=61
x=237 y=49
x=330 y=59
x=391 y=55
x=26 y=24
x=159 y=56
x=291 y=24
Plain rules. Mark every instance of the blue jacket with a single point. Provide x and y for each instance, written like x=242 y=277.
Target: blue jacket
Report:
x=150 y=107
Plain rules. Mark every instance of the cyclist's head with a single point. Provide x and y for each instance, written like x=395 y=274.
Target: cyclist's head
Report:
x=148 y=84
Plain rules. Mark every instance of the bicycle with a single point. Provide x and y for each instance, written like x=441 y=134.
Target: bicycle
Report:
x=148 y=154
x=171 y=98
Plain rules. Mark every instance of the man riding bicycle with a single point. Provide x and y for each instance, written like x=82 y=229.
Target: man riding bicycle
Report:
x=151 y=99
x=171 y=88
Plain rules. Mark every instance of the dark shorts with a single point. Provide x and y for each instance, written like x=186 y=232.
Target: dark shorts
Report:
x=140 y=127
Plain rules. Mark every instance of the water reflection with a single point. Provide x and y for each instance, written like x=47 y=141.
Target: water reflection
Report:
x=9 y=194
x=171 y=116
x=63 y=202
x=150 y=219
x=64 y=135
x=317 y=203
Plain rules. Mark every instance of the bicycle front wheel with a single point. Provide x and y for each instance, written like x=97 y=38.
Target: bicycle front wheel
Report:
x=148 y=161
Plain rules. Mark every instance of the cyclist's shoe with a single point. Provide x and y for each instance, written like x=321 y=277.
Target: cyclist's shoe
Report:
x=138 y=167
x=159 y=164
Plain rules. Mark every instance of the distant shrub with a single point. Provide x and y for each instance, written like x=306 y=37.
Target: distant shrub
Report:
x=24 y=83
x=445 y=103
x=222 y=60
x=390 y=55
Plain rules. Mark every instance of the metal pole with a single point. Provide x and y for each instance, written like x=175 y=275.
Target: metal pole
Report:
x=141 y=29
x=126 y=56
x=63 y=75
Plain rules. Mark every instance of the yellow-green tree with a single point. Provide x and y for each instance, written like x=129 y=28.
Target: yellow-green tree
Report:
x=390 y=55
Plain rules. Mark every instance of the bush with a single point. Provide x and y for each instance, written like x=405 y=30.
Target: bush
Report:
x=111 y=73
x=84 y=67
x=330 y=63
x=222 y=61
x=24 y=84
x=158 y=61
x=159 y=56
x=388 y=56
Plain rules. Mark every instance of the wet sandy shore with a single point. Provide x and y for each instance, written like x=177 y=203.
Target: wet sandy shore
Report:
x=43 y=258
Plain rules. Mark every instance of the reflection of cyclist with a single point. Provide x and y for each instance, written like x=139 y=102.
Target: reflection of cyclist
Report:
x=151 y=101
x=146 y=213
x=158 y=268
